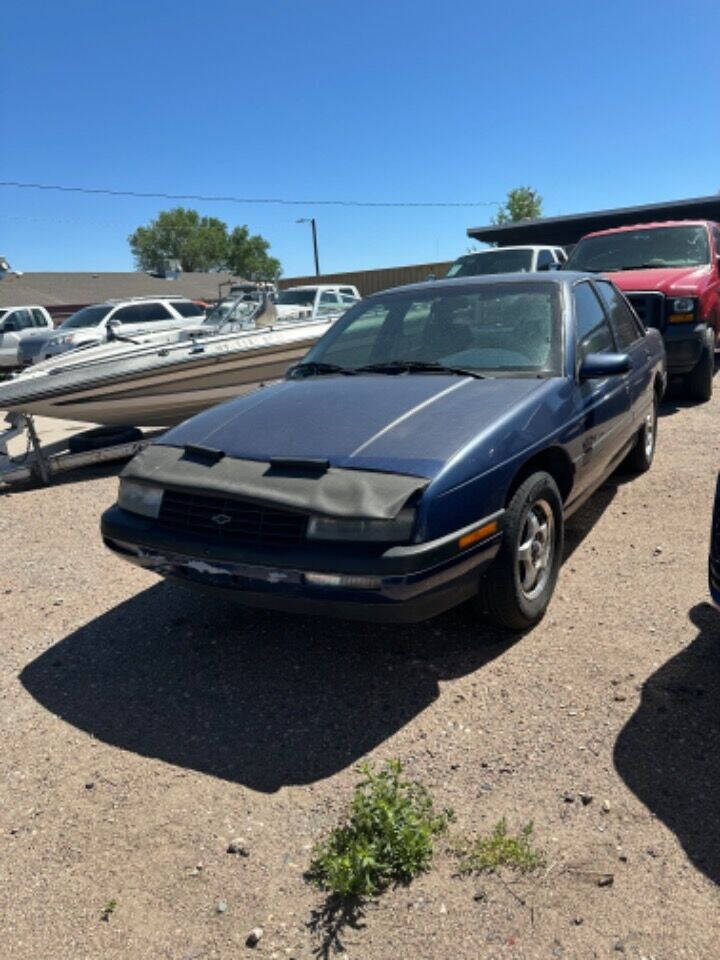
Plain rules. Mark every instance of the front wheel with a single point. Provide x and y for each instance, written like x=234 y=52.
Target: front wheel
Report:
x=517 y=588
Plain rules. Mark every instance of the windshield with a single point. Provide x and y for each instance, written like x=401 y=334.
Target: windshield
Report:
x=230 y=309
x=297 y=298
x=635 y=249
x=87 y=317
x=491 y=261
x=509 y=329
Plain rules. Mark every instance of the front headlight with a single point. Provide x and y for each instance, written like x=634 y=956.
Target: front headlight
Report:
x=397 y=530
x=683 y=305
x=65 y=338
x=140 y=498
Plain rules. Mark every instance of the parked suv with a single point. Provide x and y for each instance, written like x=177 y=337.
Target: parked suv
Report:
x=95 y=324
x=670 y=273
x=16 y=325
x=321 y=299
x=507 y=260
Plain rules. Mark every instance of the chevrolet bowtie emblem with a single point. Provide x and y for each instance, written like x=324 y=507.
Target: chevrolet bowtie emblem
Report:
x=221 y=519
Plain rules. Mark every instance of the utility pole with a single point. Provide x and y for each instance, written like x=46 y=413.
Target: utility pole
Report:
x=311 y=221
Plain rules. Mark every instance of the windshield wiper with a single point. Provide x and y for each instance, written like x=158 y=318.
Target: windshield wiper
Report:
x=313 y=368
x=416 y=366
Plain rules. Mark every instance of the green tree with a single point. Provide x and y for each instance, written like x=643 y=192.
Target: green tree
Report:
x=523 y=203
x=247 y=256
x=199 y=243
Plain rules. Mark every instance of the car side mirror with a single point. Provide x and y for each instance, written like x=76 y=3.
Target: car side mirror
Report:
x=10 y=326
x=595 y=366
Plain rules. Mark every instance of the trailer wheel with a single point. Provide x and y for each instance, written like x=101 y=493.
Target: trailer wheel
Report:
x=101 y=437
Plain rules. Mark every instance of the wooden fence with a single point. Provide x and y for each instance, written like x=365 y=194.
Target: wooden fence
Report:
x=370 y=281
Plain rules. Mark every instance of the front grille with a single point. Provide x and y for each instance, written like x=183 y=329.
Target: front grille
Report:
x=230 y=521
x=650 y=307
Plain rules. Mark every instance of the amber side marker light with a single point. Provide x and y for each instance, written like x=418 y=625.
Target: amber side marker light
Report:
x=681 y=318
x=480 y=534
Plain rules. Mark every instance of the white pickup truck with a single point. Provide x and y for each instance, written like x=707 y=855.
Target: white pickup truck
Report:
x=316 y=300
x=17 y=324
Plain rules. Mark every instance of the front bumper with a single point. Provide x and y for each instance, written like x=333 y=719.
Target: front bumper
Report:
x=684 y=344
x=412 y=583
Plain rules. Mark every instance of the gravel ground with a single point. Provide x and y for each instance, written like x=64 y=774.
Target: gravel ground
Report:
x=144 y=727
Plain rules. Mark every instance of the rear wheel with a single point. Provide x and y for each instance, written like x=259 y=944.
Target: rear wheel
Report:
x=517 y=588
x=641 y=456
x=700 y=380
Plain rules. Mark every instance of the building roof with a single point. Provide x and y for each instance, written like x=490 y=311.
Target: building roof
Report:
x=54 y=289
x=565 y=231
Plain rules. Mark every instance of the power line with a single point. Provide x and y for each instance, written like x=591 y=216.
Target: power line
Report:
x=264 y=200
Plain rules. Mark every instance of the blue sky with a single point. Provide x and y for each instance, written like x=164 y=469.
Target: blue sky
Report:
x=594 y=104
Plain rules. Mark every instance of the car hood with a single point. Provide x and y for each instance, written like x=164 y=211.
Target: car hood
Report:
x=679 y=281
x=410 y=424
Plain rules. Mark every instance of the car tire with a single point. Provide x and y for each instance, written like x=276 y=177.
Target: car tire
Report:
x=101 y=437
x=640 y=458
x=700 y=380
x=517 y=588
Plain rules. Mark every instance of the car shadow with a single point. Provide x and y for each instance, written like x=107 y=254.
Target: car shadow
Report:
x=668 y=753
x=263 y=699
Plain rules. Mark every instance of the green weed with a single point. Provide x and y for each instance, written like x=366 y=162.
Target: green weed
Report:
x=500 y=849
x=387 y=837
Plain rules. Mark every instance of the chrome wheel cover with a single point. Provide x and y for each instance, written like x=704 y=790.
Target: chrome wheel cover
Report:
x=536 y=549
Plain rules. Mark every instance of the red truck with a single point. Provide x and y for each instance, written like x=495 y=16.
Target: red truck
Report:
x=670 y=273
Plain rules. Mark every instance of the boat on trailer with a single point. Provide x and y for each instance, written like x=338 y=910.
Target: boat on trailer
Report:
x=162 y=379
x=156 y=380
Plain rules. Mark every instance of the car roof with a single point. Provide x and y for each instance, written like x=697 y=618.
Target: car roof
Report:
x=451 y=283
x=648 y=226
x=22 y=306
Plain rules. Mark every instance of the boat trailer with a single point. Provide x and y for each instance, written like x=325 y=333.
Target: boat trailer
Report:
x=42 y=462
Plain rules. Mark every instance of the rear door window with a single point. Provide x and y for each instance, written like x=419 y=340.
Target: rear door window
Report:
x=592 y=330
x=626 y=328
x=39 y=318
x=186 y=308
x=154 y=312
x=132 y=314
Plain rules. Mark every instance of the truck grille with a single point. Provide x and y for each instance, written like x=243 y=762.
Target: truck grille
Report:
x=650 y=307
x=230 y=521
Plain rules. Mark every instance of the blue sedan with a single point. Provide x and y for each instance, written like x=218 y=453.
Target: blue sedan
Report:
x=427 y=451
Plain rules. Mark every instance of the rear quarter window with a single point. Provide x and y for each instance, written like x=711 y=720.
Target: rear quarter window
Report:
x=626 y=326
